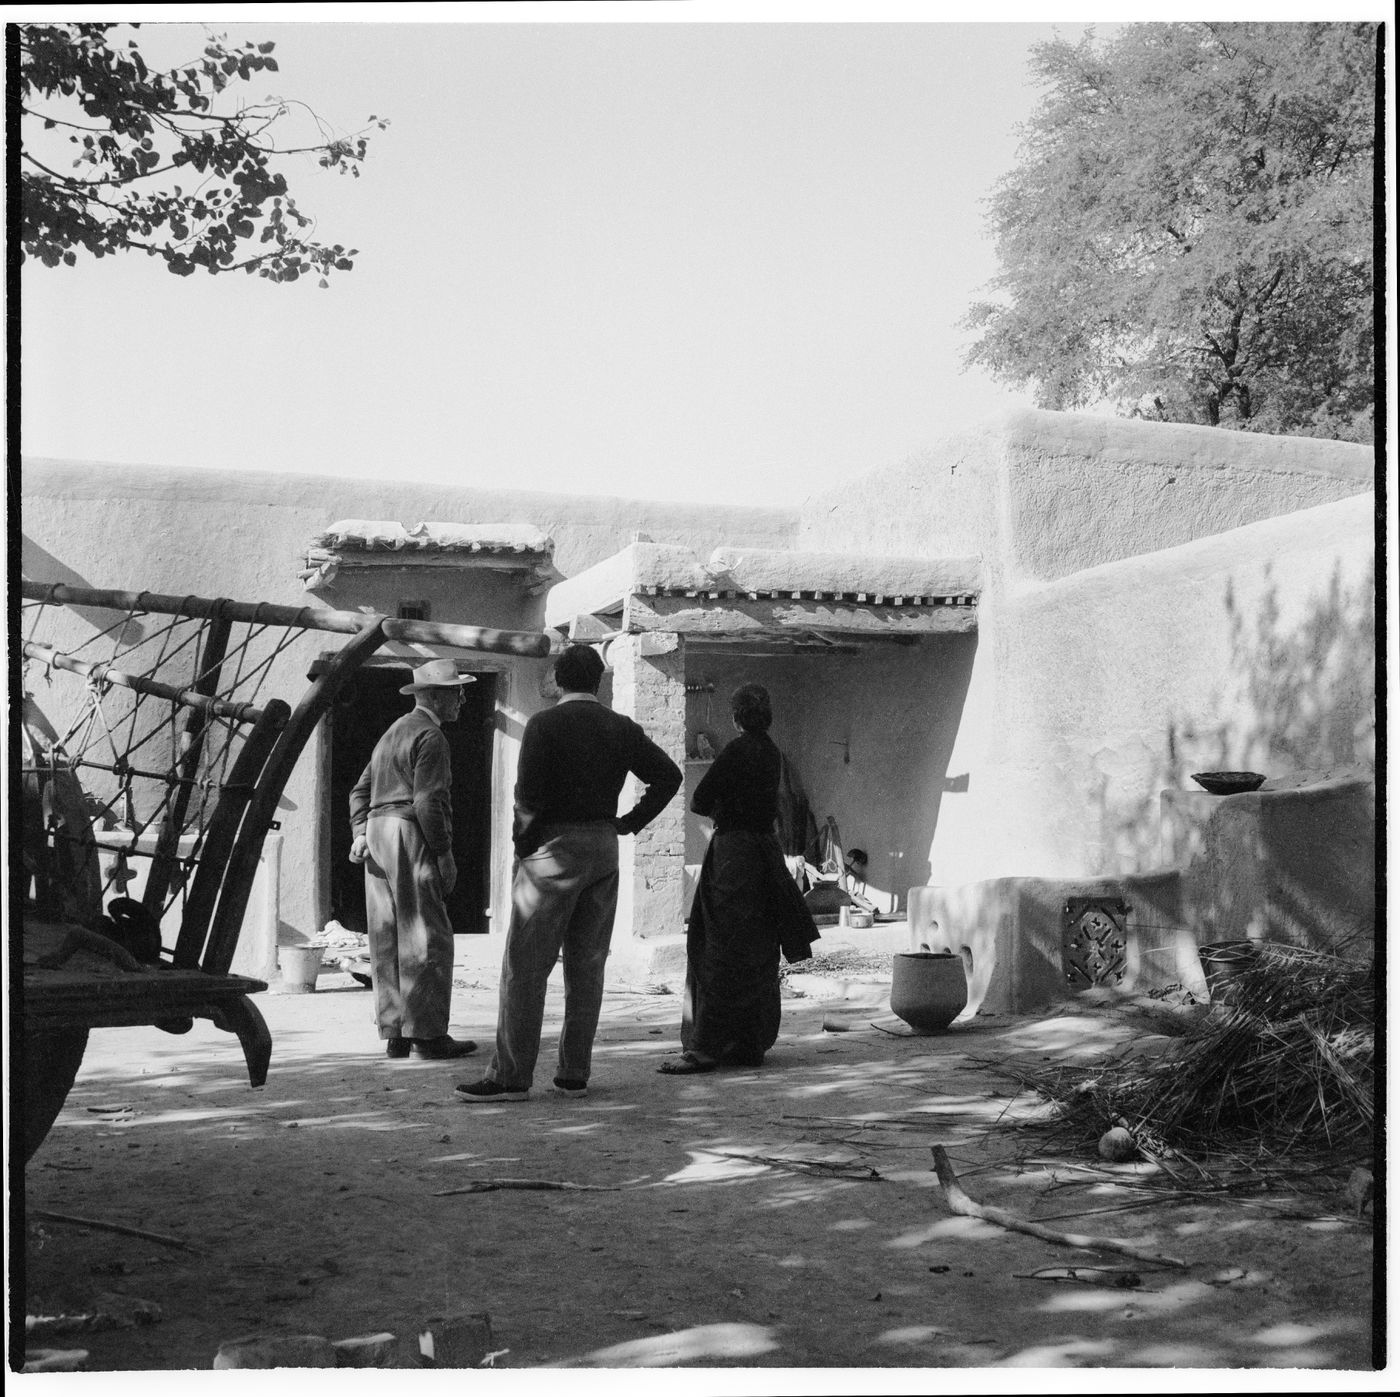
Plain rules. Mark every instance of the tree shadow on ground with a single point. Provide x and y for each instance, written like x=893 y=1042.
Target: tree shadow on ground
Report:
x=786 y=1217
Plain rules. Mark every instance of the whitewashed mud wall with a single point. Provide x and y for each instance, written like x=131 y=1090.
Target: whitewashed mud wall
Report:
x=214 y=533
x=1154 y=596
x=1250 y=650
x=872 y=736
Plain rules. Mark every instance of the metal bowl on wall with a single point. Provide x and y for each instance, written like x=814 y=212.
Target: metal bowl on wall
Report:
x=1229 y=783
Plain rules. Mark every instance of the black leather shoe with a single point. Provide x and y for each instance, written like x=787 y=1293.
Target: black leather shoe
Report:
x=396 y=1047
x=484 y=1092
x=444 y=1046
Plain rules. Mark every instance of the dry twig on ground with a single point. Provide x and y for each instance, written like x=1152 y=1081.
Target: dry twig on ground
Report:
x=964 y=1206
x=534 y=1185
x=99 y=1225
x=830 y=1168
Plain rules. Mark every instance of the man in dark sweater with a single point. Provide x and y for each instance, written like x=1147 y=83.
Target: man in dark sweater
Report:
x=574 y=759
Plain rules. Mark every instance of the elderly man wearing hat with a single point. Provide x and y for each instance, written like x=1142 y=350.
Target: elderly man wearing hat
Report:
x=401 y=820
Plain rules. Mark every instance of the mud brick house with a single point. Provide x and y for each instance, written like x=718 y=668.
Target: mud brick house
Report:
x=996 y=664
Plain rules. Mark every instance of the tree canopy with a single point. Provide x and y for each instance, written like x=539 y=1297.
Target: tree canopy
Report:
x=1189 y=232
x=104 y=140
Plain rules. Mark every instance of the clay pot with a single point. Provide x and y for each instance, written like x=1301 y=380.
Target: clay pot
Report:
x=1223 y=963
x=929 y=988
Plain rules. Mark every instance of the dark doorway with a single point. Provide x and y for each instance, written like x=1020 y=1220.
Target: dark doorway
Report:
x=364 y=713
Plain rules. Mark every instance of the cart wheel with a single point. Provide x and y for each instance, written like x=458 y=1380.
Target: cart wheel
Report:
x=49 y=1063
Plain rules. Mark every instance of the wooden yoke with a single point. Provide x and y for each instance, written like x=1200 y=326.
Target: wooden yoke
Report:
x=234 y=797
x=163 y=864
x=257 y=818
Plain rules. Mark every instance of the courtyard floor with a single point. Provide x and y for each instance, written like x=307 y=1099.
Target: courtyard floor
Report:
x=781 y=1218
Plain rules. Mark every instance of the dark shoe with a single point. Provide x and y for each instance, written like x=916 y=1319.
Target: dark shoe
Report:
x=396 y=1047
x=483 y=1091
x=685 y=1065
x=443 y=1046
x=570 y=1086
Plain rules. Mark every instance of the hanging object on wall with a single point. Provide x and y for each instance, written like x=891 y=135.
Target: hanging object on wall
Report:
x=832 y=868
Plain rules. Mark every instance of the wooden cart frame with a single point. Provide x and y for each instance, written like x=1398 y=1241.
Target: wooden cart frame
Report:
x=57 y=1007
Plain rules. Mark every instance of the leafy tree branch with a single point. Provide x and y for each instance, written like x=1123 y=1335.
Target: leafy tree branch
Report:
x=126 y=125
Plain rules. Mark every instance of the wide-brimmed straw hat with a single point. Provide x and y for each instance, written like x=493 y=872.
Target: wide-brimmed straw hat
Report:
x=437 y=674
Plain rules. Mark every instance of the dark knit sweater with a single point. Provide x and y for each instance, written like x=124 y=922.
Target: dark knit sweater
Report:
x=574 y=759
x=740 y=790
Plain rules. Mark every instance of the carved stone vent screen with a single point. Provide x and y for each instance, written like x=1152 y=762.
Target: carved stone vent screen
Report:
x=1094 y=941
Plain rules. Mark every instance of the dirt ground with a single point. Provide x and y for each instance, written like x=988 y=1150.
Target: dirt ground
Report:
x=780 y=1218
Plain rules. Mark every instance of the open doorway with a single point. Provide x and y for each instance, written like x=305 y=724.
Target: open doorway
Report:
x=362 y=716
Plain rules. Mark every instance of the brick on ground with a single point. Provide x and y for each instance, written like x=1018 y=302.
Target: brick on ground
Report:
x=453 y=1341
x=367 y=1351
x=276 y=1351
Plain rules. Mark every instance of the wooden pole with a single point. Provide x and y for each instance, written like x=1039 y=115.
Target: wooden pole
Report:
x=257 y=819
x=104 y=673
x=526 y=643
x=168 y=844
x=219 y=837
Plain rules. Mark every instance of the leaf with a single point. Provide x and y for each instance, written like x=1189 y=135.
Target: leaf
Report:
x=109 y=81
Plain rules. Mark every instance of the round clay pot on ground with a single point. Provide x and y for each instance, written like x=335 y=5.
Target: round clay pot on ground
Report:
x=929 y=988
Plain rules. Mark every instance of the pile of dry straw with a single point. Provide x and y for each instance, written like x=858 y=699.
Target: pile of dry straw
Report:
x=1277 y=1078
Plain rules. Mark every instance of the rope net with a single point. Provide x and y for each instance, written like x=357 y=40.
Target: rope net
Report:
x=133 y=723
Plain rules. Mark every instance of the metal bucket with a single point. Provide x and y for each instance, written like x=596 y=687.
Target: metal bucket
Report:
x=300 y=965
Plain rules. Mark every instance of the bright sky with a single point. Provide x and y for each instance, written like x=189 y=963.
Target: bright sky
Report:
x=707 y=261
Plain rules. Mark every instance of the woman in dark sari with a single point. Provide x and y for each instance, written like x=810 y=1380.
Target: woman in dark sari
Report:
x=747 y=908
